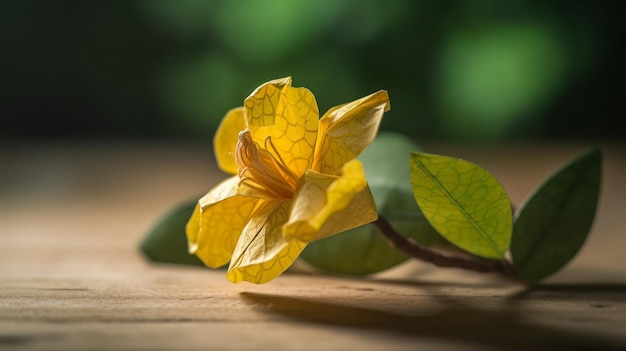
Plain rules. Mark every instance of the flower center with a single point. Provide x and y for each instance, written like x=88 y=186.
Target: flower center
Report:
x=262 y=169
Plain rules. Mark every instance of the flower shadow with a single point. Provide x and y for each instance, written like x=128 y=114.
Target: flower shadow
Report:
x=602 y=294
x=485 y=328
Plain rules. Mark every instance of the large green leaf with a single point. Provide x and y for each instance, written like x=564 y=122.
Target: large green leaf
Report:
x=166 y=241
x=465 y=203
x=553 y=224
x=364 y=250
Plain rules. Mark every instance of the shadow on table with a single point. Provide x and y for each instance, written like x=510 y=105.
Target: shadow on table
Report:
x=501 y=329
x=601 y=293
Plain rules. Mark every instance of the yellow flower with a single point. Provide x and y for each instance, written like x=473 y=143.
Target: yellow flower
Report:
x=295 y=180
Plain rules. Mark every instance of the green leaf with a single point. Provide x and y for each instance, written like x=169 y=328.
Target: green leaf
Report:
x=166 y=241
x=465 y=203
x=553 y=224
x=364 y=250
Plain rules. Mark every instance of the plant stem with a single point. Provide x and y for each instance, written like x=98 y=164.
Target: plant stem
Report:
x=413 y=249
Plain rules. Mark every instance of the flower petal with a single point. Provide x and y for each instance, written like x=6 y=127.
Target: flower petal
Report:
x=289 y=117
x=225 y=140
x=346 y=130
x=325 y=205
x=262 y=253
x=217 y=222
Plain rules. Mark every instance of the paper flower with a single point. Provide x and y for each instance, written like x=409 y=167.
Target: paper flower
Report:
x=295 y=180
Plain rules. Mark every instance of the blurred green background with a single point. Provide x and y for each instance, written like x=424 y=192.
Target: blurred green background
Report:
x=482 y=70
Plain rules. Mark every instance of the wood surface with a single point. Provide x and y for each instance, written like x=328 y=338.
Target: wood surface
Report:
x=71 y=277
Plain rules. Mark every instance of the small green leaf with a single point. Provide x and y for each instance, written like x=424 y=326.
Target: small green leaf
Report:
x=553 y=224
x=465 y=203
x=364 y=250
x=166 y=241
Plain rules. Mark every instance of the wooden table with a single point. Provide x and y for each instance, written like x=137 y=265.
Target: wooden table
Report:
x=72 y=278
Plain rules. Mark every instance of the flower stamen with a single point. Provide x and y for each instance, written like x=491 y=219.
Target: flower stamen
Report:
x=288 y=174
x=261 y=170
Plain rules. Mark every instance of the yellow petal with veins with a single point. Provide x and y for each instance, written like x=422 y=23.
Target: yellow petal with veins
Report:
x=346 y=130
x=217 y=222
x=325 y=205
x=262 y=253
x=225 y=140
x=289 y=117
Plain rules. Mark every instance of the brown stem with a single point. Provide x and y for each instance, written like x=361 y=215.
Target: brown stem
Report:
x=413 y=249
